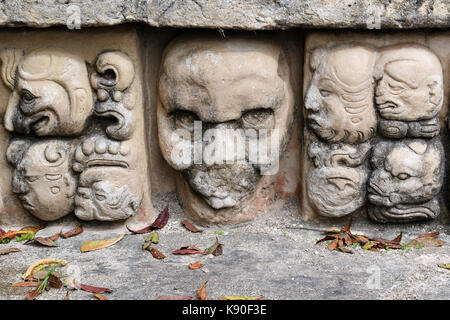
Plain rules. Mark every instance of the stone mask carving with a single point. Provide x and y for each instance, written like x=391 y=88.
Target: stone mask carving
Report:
x=339 y=100
x=51 y=93
x=409 y=91
x=108 y=189
x=337 y=184
x=232 y=83
x=42 y=177
x=407 y=176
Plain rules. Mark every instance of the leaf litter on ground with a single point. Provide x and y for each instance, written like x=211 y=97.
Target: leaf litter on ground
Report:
x=341 y=239
x=100 y=244
x=8 y=251
x=189 y=226
x=26 y=233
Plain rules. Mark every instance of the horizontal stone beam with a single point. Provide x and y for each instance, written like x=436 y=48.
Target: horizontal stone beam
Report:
x=230 y=14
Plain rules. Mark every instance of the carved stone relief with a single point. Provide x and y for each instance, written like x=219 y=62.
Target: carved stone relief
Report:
x=340 y=112
x=234 y=84
x=395 y=175
x=78 y=143
x=407 y=174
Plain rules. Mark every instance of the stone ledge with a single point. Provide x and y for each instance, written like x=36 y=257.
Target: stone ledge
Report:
x=237 y=14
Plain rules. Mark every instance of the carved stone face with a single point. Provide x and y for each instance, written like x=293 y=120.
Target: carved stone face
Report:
x=406 y=172
x=51 y=96
x=226 y=84
x=409 y=86
x=336 y=186
x=42 y=178
x=339 y=100
x=106 y=194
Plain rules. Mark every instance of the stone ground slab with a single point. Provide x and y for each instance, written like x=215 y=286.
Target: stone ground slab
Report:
x=273 y=256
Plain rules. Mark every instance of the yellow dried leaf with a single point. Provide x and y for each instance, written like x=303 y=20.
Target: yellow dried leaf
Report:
x=39 y=265
x=239 y=298
x=100 y=244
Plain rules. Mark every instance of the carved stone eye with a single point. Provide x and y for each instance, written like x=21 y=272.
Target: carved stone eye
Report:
x=324 y=93
x=259 y=118
x=100 y=197
x=27 y=97
x=31 y=178
x=403 y=176
x=184 y=120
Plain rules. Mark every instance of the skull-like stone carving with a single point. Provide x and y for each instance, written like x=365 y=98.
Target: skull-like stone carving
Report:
x=42 y=177
x=407 y=177
x=235 y=83
x=51 y=93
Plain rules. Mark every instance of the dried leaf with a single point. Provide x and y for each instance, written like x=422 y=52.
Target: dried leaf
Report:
x=201 y=293
x=100 y=244
x=55 y=237
x=174 y=298
x=2 y=232
x=444 y=266
x=153 y=237
x=33 y=294
x=189 y=226
x=159 y=223
x=93 y=289
x=7 y=251
x=100 y=297
x=67 y=296
x=32 y=230
x=426 y=242
x=216 y=249
x=240 y=298
x=190 y=249
x=73 y=232
x=54 y=282
x=328 y=237
x=333 y=245
x=156 y=253
x=346 y=250
x=39 y=265
x=26 y=284
x=43 y=241
x=195 y=265
x=162 y=219
x=432 y=235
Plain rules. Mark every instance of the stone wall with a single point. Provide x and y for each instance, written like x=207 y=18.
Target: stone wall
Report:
x=96 y=117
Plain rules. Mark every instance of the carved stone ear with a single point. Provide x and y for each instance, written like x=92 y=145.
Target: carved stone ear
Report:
x=435 y=91
x=15 y=151
x=317 y=56
x=114 y=70
x=10 y=59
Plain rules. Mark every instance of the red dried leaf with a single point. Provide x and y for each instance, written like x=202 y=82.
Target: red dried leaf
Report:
x=162 y=219
x=93 y=289
x=73 y=232
x=155 y=253
x=159 y=223
x=174 y=298
x=189 y=226
x=346 y=250
x=187 y=251
x=55 y=237
x=43 y=241
x=201 y=293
